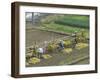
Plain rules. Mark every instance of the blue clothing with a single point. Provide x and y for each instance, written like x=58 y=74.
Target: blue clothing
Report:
x=61 y=45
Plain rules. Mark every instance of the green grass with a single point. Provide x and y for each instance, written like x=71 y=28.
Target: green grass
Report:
x=66 y=23
x=78 y=21
x=62 y=28
x=71 y=20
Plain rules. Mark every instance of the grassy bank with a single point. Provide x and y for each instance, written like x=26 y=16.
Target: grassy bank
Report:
x=62 y=28
x=65 y=23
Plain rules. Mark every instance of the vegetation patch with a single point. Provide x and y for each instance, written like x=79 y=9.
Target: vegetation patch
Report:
x=51 y=47
x=67 y=50
x=34 y=60
x=81 y=45
x=61 y=28
x=74 y=20
x=65 y=23
x=67 y=43
x=46 y=56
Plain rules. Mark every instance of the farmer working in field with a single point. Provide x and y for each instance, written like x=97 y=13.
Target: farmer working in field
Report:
x=61 y=44
x=75 y=39
x=40 y=52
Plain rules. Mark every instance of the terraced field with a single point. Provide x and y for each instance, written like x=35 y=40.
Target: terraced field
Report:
x=50 y=28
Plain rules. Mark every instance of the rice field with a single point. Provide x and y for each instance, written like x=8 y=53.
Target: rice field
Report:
x=51 y=28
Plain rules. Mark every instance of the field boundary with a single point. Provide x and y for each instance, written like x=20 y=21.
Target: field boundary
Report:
x=57 y=32
x=77 y=60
